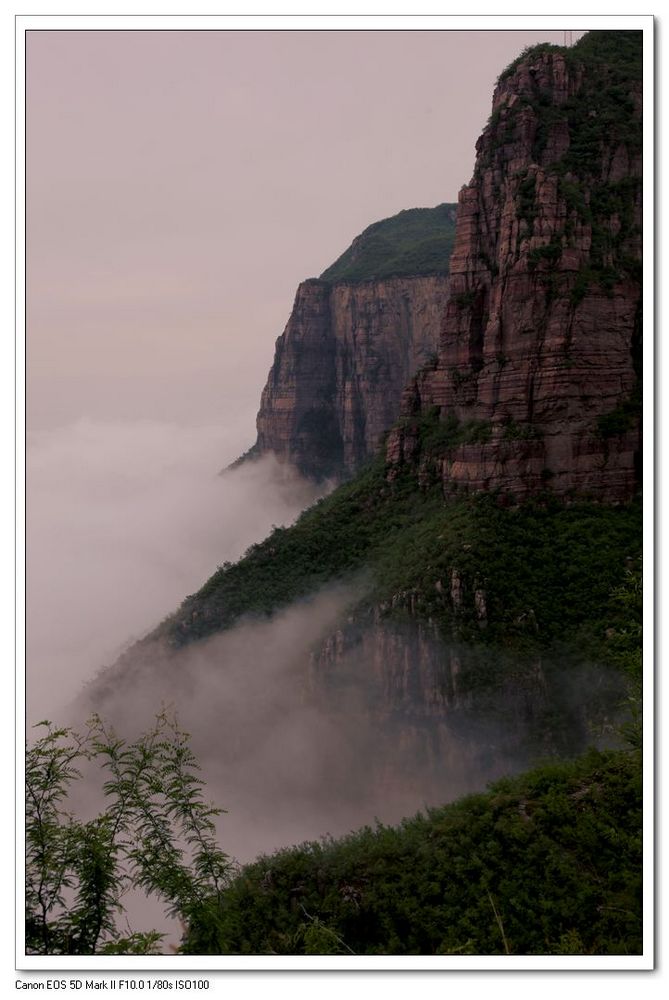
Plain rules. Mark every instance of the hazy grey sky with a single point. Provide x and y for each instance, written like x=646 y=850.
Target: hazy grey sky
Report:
x=181 y=184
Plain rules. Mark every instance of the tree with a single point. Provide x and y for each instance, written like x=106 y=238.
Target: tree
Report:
x=626 y=647
x=155 y=832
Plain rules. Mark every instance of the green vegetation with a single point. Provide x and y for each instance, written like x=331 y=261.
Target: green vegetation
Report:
x=463 y=300
x=155 y=833
x=416 y=241
x=548 y=254
x=547 y=863
x=559 y=560
x=529 y=52
x=601 y=118
x=597 y=49
x=439 y=435
x=615 y=52
x=526 y=208
x=625 y=647
x=250 y=455
x=623 y=417
x=513 y=431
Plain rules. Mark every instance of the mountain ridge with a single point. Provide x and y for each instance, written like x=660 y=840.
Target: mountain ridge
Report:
x=500 y=522
x=353 y=339
x=541 y=340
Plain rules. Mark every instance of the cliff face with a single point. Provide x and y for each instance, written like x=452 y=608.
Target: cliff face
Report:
x=340 y=367
x=447 y=712
x=537 y=378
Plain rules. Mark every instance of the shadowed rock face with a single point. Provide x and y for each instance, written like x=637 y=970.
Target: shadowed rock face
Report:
x=340 y=366
x=540 y=343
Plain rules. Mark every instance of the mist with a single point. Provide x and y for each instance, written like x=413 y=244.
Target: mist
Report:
x=297 y=744
x=312 y=723
x=124 y=519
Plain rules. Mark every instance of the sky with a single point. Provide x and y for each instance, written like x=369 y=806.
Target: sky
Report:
x=181 y=184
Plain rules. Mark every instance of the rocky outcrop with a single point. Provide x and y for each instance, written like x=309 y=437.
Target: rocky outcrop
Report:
x=451 y=712
x=538 y=367
x=340 y=367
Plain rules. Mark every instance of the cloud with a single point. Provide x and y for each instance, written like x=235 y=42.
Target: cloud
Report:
x=313 y=722
x=124 y=520
x=323 y=718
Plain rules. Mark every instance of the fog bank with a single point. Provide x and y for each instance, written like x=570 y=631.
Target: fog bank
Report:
x=294 y=747
x=123 y=521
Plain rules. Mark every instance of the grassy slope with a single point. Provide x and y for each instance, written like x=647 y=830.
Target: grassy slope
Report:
x=555 y=854
x=416 y=241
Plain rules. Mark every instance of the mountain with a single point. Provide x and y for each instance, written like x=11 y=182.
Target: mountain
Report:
x=541 y=344
x=491 y=548
x=354 y=337
x=539 y=359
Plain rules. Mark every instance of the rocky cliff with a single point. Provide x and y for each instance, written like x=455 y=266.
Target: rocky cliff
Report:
x=537 y=380
x=447 y=710
x=340 y=367
x=354 y=338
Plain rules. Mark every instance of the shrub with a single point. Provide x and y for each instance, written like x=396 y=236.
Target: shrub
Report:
x=155 y=833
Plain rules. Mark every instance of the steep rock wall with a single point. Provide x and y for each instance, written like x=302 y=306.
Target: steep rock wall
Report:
x=456 y=715
x=539 y=357
x=340 y=367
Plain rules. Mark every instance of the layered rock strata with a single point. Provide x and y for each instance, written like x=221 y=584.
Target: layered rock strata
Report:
x=340 y=367
x=539 y=357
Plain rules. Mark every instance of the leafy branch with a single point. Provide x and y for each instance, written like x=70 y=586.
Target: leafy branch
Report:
x=155 y=832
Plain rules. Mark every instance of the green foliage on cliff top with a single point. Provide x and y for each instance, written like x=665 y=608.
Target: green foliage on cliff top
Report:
x=609 y=48
x=599 y=116
x=602 y=118
x=547 y=863
x=618 y=49
x=414 y=242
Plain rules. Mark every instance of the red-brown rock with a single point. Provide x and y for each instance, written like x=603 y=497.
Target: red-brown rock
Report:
x=340 y=367
x=540 y=340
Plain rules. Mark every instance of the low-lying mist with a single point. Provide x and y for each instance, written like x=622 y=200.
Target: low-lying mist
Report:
x=313 y=722
x=318 y=721
x=123 y=521
x=282 y=766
